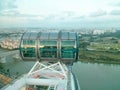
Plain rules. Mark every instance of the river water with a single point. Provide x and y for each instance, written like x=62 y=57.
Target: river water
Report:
x=91 y=76
x=97 y=76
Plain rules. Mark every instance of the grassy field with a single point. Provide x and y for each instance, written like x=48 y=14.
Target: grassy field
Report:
x=100 y=49
x=99 y=56
x=108 y=46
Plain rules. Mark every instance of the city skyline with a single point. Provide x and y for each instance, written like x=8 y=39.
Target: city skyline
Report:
x=59 y=13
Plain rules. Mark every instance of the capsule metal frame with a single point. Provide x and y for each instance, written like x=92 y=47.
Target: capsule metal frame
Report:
x=49 y=46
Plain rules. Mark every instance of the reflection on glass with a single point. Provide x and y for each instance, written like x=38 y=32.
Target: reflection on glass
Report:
x=67 y=49
x=28 y=48
x=48 y=49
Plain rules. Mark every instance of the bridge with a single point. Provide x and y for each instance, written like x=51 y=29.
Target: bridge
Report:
x=3 y=55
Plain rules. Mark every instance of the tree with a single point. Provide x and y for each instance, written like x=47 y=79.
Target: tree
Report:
x=1 y=66
x=83 y=45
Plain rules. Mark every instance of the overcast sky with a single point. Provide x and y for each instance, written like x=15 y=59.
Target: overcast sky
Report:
x=60 y=13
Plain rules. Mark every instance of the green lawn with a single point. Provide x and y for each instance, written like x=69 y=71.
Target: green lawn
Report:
x=99 y=56
x=101 y=46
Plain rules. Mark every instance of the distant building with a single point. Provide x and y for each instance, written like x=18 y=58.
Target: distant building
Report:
x=98 y=32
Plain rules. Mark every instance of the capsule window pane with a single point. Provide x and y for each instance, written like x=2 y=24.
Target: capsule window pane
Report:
x=28 y=48
x=28 y=52
x=24 y=42
x=64 y=35
x=67 y=49
x=72 y=35
x=33 y=35
x=68 y=43
x=26 y=35
x=53 y=35
x=48 y=49
x=31 y=42
x=44 y=35
x=48 y=43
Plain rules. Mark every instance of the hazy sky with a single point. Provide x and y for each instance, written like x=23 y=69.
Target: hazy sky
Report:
x=60 y=13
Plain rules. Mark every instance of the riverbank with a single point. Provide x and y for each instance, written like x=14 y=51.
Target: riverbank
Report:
x=111 y=57
x=6 y=49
